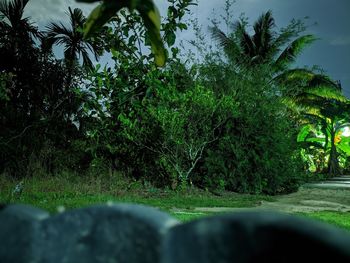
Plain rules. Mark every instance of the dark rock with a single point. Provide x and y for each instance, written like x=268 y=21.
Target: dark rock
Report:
x=256 y=237
x=133 y=233
x=19 y=226
x=116 y=233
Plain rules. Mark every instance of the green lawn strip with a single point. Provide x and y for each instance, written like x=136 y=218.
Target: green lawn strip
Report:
x=51 y=193
x=188 y=216
x=339 y=219
x=51 y=200
x=73 y=192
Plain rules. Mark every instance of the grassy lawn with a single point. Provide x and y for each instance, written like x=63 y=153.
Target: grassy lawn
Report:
x=73 y=192
x=339 y=219
x=49 y=193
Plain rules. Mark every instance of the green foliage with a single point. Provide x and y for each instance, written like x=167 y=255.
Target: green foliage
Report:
x=123 y=96
x=256 y=143
x=147 y=10
x=189 y=121
x=324 y=113
x=5 y=80
x=41 y=109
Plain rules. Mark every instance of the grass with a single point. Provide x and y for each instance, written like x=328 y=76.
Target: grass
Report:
x=49 y=193
x=339 y=219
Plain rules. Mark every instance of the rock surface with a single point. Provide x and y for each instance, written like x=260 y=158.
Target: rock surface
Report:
x=255 y=237
x=133 y=233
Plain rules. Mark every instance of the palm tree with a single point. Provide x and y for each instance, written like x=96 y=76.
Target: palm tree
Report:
x=17 y=33
x=264 y=46
x=279 y=50
x=75 y=46
x=313 y=95
x=19 y=55
x=327 y=113
x=12 y=21
x=322 y=107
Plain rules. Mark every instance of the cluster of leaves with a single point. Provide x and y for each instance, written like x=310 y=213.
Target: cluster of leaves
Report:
x=256 y=143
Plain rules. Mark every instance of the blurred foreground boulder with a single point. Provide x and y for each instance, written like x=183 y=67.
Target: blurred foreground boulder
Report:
x=132 y=233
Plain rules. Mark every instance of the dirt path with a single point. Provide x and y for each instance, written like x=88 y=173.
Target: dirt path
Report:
x=305 y=200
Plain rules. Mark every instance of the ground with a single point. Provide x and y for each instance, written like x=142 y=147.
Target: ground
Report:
x=50 y=193
x=305 y=200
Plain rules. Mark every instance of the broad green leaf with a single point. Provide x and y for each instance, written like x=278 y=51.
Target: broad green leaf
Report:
x=345 y=147
x=304 y=132
x=99 y=16
x=151 y=19
x=148 y=11
x=315 y=139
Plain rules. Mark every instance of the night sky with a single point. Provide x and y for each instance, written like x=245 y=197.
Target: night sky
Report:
x=331 y=52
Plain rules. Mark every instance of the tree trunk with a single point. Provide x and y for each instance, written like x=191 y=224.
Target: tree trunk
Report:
x=333 y=162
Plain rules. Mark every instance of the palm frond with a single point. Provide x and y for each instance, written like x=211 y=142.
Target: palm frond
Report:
x=87 y=63
x=55 y=29
x=94 y=49
x=72 y=39
x=4 y=10
x=327 y=92
x=305 y=76
x=15 y=11
x=247 y=45
x=263 y=37
x=244 y=42
x=227 y=43
x=76 y=17
x=281 y=40
x=289 y=55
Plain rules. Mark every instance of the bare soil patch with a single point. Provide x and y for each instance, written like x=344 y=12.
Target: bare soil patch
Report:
x=306 y=200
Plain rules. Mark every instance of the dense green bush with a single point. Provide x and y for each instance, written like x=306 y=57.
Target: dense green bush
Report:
x=256 y=150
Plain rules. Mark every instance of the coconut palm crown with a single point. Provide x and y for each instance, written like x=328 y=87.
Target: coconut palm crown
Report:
x=279 y=50
x=265 y=45
x=71 y=38
x=12 y=22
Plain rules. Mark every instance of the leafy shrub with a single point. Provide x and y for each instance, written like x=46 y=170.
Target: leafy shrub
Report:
x=256 y=151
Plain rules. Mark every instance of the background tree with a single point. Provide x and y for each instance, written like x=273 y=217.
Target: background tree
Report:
x=75 y=46
x=266 y=46
x=328 y=115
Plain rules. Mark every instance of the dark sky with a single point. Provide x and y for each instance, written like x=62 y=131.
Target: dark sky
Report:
x=331 y=52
